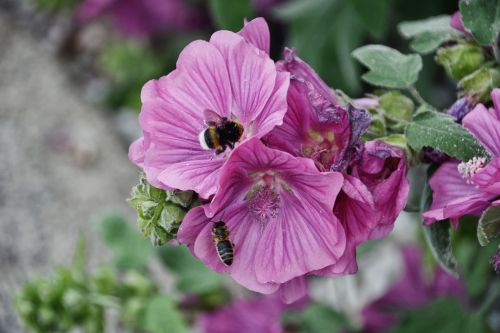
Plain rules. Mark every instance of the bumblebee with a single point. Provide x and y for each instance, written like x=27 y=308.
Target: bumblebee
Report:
x=221 y=133
x=224 y=247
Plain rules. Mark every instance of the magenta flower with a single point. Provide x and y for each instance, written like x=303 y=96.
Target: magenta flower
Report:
x=141 y=17
x=230 y=76
x=470 y=187
x=411 y=291
x=262 y=314
x=375 y=188
x=279 y=213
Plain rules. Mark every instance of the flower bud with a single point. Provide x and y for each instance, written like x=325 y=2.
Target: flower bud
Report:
x=396 y=106
x=160 y=212
x=479 y=84
x=460 y=60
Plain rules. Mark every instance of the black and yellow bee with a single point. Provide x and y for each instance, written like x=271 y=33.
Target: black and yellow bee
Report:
x=221 y=132
x=224 y=247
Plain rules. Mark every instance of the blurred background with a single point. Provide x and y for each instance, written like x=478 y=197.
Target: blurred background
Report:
x=71 y=72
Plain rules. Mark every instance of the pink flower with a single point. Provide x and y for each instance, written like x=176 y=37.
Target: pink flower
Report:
x=141 y=17
x=472 y=186
x=231 y=76
x=413 y=290
x=375 y=188
x=261 y=315
x=278 y=210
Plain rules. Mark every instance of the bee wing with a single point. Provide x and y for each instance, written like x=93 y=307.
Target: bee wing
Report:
x=212 y=118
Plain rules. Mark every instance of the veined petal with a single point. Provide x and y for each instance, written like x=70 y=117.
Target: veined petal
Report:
x=202 y=176
x=136 y=152
x=275 y=108
x=485 y=126
x=201 y=80
x=305 y=237
x=257 y=33
x=252 y=79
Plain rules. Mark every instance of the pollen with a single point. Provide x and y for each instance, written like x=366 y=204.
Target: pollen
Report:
x=264 y=203
x=468 y=169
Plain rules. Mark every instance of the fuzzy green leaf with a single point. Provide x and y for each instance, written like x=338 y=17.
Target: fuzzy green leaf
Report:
x=429 y=33
x=489 y=225
x=482 y=18
x=388 y=67
x=440 y=131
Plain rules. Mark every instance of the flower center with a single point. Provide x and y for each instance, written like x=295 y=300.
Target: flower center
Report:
x=321 y=149
x=468 y=169
x=263 y=203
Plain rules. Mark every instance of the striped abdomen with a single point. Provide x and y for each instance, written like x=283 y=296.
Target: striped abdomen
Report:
x=225 y=251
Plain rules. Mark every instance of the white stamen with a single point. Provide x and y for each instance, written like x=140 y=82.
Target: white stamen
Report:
x=468 y=169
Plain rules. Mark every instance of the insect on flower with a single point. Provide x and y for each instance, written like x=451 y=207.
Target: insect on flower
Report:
x=224 y=247
x=220 y=133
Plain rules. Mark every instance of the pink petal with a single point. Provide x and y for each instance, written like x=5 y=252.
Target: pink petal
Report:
x=257 y=33
x=252 y=79
x=485 y=126
x=448 y=186
x=199 y=175
x=201 y=80
x=225 y=41
x=345 y=265
x=136 y=152
x=488 y=178
x=305 y=238
x=293 y=290
x=191 y=226
x=275 y=108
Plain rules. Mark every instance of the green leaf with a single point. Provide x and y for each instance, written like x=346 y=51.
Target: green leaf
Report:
x=162 y=316
x=482 y=18
x=317 y=318
x=489 y=225
x=192 y=275
x=388 y=67
x=444 y=315
x=129 y=249
x=229 y=14
x=373 y=14
x=438 y=234
x=428 y=34
x=439 y=240
x=440 y=131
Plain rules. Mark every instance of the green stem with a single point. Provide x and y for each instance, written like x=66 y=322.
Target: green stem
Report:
x=414 y=92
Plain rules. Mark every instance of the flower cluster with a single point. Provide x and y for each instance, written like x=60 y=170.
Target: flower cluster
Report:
x=277 y=158
x=469 y=187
